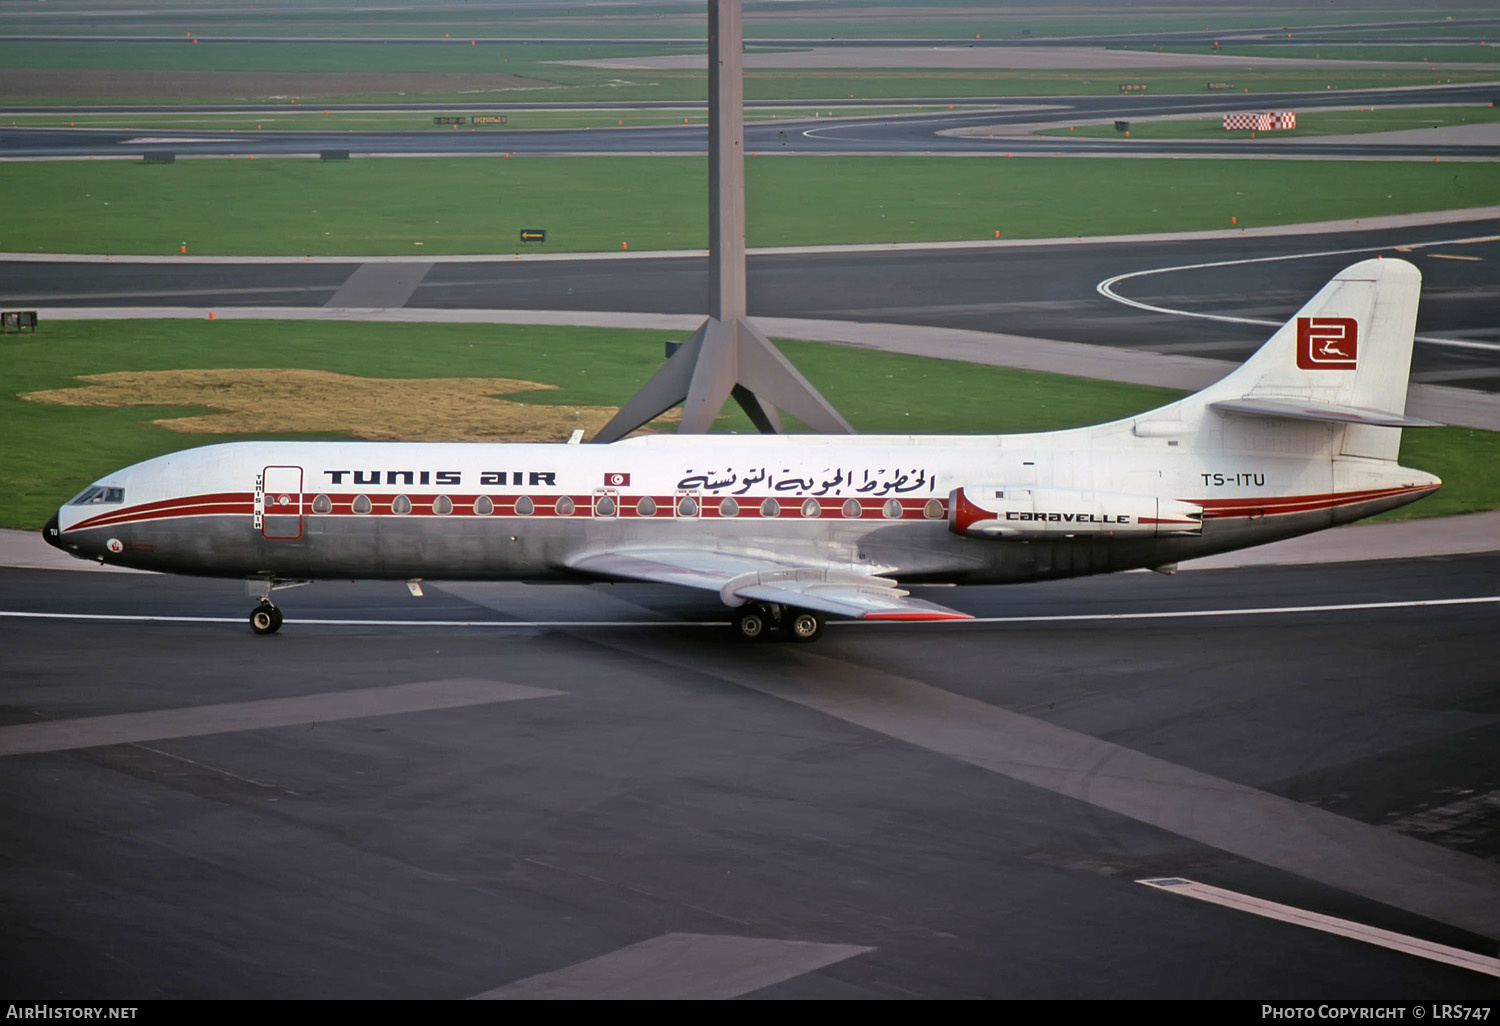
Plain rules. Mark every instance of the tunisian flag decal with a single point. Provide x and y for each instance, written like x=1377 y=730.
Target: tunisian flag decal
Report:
x=616 y=480
x=1327 y=343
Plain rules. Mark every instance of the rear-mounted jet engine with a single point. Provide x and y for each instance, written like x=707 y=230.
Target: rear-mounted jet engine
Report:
x=997 y=511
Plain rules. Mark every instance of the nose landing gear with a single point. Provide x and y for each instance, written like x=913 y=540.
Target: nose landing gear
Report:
x=757 y=620
x=265 y=619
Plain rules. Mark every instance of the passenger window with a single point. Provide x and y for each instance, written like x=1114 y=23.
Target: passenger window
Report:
x=729 y=508
x=604 y=506
x=892 y=509
x=810 y=508
x=483 y=507
x=769 y=508
x=645 y=506
x=401 y=505
x=442 y=505
x=524 y=506
x=686 y=507
x=851 y=509
x=361 y=504
x=322 y=504
x=564 y=507
x=933 y=510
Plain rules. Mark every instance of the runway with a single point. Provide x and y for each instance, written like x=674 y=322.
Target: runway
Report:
x=594 y=788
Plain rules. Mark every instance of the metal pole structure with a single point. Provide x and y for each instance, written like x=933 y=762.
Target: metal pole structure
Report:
x=726 y=161
x=727 y=356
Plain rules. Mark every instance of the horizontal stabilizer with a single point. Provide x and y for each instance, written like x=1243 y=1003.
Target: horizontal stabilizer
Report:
x=1301 y=409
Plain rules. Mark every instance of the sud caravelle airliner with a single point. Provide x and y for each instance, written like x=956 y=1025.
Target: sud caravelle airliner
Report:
x=790 y=529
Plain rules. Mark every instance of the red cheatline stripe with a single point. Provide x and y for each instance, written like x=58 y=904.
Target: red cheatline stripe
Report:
x=1221 y=508
x=179 y=500
x=918 y=615
x=1358 y=496
x=544 y=506
x=196 y=506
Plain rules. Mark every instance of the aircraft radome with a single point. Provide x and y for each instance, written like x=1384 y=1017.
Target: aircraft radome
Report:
x=787 y=529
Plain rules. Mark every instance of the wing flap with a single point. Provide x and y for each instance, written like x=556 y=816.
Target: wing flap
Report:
x=739 y=579
x=690 y=568
x=853 y=600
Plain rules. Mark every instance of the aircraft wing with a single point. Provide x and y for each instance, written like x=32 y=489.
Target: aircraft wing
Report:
x=739 y=579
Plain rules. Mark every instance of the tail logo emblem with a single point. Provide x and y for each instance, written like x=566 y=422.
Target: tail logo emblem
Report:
x=1327 y=343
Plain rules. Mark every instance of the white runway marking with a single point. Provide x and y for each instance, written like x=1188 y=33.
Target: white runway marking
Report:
x=1343 y=607
x=1329 y=924
x=380 y=285
x=173 y=139
x=680 y=966
x=196 y=721
x=1106 y=287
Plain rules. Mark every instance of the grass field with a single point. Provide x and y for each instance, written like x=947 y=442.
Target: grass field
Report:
x=589 y=204
x=52 y=451
x=1340 y=122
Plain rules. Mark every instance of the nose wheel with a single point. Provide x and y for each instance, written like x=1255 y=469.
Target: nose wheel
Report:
x=265 y=619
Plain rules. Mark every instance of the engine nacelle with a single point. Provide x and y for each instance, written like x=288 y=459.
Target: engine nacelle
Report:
x=1004 y=511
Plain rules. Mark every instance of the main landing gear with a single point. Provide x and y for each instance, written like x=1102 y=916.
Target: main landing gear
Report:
x=757 y=620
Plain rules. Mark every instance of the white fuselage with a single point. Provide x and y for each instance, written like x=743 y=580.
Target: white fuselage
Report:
x=868 y=504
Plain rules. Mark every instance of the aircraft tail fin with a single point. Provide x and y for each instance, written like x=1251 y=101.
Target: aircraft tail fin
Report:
x=1344 y=358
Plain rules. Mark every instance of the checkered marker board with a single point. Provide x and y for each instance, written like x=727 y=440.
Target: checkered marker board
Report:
x=1247 y=122
x=1260 y=121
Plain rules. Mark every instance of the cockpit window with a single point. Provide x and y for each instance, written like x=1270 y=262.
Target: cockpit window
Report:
x=97 y=495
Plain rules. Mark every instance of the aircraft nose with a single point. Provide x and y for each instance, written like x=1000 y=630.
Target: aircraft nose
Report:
x=51 y=533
